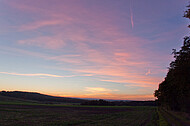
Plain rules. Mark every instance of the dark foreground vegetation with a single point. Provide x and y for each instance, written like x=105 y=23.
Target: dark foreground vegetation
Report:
x=119 y=103
x=35 y=109
x=63 y=115
x=33 y=114
x=174 y=92
x=26 y=109
x=22 y=112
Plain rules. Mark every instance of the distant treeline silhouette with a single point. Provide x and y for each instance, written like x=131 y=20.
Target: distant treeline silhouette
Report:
x=174 y=92
x=101 y=102
x=47 y=99
x=33 y=96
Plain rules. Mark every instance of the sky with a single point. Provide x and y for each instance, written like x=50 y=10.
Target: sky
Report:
x=105 y=49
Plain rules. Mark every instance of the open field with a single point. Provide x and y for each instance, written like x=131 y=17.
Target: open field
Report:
x=33 y=114
x=175 y=118
x=26 y=113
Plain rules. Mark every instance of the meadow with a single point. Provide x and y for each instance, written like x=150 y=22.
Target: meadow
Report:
x=22 y=114
x=34 y=109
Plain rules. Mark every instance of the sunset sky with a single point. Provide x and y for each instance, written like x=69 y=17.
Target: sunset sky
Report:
x=109 y=49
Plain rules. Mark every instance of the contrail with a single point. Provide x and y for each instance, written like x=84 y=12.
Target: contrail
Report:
x=131 y=12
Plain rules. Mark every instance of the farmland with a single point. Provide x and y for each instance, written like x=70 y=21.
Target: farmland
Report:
x=41 y=114
x=36 y=109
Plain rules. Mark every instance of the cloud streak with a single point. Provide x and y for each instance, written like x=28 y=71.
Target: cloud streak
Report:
x=35 y=75
x=131 y=14
x=98 y=90
x=148 y=72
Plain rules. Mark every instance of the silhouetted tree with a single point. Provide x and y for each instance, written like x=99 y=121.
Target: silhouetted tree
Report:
x=174 y=91
x=99 y=102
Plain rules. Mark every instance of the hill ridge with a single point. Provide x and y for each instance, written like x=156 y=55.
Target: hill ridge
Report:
x=35 y=96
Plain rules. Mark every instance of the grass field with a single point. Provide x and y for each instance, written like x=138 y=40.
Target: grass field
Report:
x=23 y=114
x=174 y=118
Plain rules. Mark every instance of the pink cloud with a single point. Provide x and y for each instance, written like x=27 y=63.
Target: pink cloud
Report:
x=131 y=14
x=101 y=48
x=148 y=72
x=104 y=67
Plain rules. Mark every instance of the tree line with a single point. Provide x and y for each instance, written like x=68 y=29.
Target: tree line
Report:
x=102 y=102
x=174 y=92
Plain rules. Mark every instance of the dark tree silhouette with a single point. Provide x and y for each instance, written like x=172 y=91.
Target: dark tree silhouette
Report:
x=174 y=92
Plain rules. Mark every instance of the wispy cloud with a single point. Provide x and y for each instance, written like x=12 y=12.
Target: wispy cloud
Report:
x=116 y=69
x=36 y=74
x=78 y=38
x=148 y=72
x=135 y=83
x=98 y=89
x=131 y=14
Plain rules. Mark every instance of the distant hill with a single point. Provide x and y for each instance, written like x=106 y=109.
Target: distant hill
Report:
x=13 y=99
x=36 y=97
